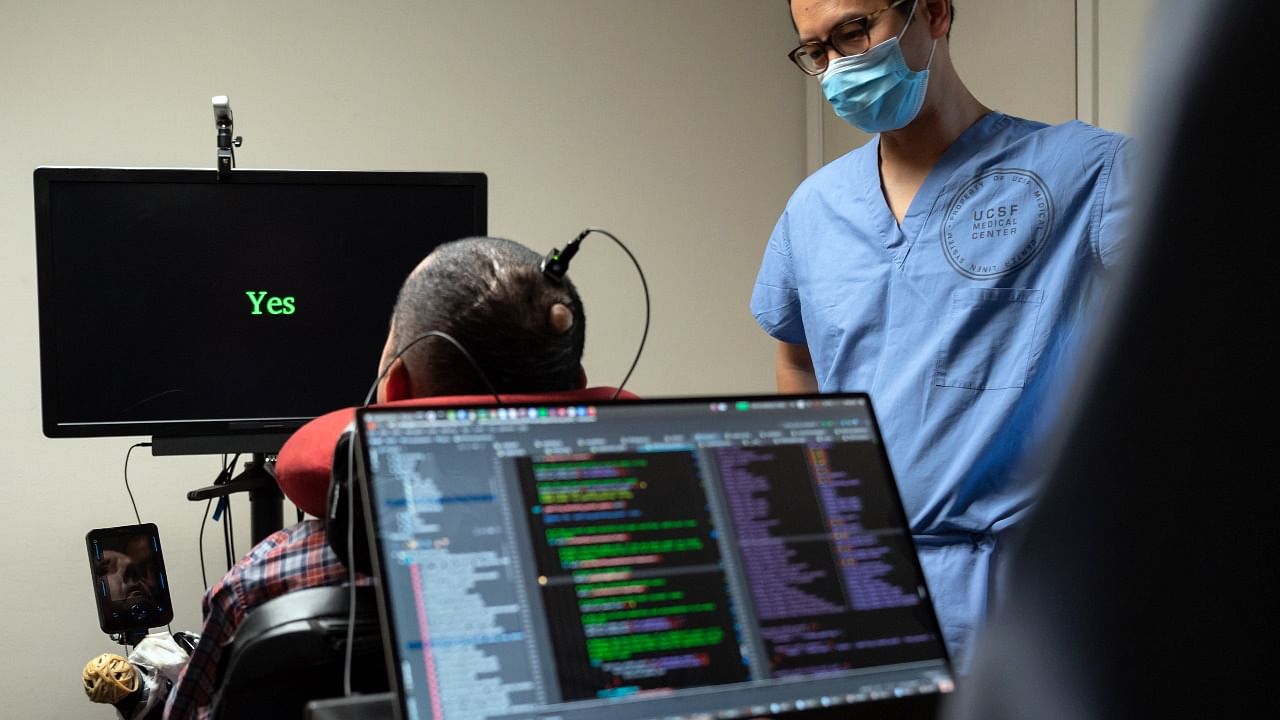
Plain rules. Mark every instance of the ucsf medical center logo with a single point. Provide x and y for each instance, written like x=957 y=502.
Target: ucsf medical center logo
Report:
x=998 y=222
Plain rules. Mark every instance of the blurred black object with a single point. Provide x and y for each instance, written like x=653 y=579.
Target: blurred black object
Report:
x=1142 y=587
x=292 y=650
x=186 y=640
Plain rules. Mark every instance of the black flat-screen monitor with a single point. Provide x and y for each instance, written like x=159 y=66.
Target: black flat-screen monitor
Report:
x=220 y=315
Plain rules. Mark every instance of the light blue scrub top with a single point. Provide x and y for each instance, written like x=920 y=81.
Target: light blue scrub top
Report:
x=953 y=321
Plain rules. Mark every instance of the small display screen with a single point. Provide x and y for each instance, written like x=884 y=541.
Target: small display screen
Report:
x=130 y=584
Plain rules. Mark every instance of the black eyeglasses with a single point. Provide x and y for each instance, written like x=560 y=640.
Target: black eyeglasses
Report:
x=851 y=37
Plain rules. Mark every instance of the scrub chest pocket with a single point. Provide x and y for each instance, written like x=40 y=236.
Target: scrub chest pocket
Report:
x=989 y=337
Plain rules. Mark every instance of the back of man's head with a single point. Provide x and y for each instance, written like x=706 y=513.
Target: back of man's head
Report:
x=525 y=331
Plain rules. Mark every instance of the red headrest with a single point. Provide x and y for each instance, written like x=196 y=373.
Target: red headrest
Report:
x=305 y=461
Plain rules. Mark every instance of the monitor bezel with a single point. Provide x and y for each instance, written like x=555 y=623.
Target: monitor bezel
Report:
x=193 y=435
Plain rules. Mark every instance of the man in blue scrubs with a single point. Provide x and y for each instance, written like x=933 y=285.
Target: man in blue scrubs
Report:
x=945 y=268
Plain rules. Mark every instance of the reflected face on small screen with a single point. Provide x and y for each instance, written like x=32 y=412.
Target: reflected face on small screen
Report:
x=130 y=573
x=129 y=583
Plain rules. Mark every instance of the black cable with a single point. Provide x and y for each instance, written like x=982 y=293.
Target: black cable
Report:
x=223 y=476
x=204 y=575
x=351 y=569
x=351 y=480
x=231 y=535
x=368 y=398
x=134 y=503
x=643 y=283
x=126 y=478
x=224 y=505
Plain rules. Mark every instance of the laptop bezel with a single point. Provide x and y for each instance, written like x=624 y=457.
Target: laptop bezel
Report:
x=892 y=707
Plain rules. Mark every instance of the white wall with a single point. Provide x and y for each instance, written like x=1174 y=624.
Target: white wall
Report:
x=1113 y=61
x=676 y=125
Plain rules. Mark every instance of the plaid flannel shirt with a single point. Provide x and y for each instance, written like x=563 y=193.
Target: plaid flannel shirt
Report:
x=292 y=559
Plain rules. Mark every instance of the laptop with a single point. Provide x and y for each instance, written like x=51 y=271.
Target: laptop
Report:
x=697 y=557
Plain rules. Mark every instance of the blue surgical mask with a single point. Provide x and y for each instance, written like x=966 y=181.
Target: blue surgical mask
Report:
x=876 y=91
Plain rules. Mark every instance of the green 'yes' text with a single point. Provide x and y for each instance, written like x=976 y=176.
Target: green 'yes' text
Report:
x=275 y=305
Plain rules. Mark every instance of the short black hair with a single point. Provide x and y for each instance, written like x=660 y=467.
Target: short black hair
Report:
x=904 y=11
x=491 y=296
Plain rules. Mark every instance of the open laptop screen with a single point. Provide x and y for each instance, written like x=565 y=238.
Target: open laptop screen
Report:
x=696 y=557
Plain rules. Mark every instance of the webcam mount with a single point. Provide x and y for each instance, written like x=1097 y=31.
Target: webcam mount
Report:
x=224 y=122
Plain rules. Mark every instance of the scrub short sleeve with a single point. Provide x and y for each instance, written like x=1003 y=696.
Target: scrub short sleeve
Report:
x=775 y=301
x=1115 y=205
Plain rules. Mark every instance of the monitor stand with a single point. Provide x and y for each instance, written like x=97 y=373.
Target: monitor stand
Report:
x=266 y=442
x=266 y=503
